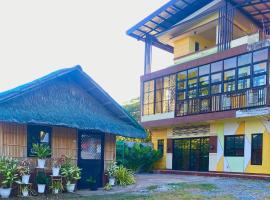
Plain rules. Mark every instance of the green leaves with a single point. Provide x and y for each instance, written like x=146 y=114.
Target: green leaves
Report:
x=72 y=173
x=41 y=150
x=124 y=176
x=140 y=158
x=41 y=178
x=8 y=170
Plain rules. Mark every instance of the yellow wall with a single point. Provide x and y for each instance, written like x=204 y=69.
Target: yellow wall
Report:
x=182 y=47
x=159 y=135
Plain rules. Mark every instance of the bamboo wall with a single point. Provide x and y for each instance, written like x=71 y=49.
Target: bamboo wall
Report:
x=13 y=142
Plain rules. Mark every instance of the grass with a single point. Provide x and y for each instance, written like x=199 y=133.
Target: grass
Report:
x=186 y=186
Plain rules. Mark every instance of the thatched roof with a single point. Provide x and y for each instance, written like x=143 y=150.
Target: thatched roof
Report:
x=67 y=97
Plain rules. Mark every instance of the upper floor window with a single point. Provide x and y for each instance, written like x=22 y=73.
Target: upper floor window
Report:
x=159 y=95
x=148 y=98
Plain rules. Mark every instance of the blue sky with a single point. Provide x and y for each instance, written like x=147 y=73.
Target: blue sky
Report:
x=38 y=37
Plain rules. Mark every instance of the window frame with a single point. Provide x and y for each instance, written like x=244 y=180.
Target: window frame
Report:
x=226 y=154
x=261 y=149
x=37 y=129
x=160 y=146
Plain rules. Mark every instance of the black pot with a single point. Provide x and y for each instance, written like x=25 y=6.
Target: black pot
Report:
x=93 y=187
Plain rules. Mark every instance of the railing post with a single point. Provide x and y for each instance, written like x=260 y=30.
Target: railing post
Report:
x=147 y=55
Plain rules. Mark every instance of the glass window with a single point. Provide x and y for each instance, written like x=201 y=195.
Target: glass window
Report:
x=37 y=135
x=90 y=147
x=229 y=75
x=230 y=63
x=260 y=55
x=229 y=86
x=204 y=91
x=181 y=95
x=182 y=76
x=204 y=80
x=243 y=71
x=192 y=73
x=203 y=70
x=256 y=149
x=234 y=145
x=243 y=84
x=259 y=80
x=216 y=67
x=192 y=83
x=182 y=85
x=215 y=89
x=192 y=94
x=244 y=59
x=259 y=68
x=215 y=78
x=160 y=146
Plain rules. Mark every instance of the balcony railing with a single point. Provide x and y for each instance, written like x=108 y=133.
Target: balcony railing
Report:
x=250 y=98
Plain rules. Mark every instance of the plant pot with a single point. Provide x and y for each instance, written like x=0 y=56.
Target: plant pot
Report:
x=55 y=171
x=56 y=191
x=25 y=179
x=112 y=181
x=41 y=188
x=71 y=187
x=93 y=187
x=5 y=192
x=25 y=193
x=41 y=163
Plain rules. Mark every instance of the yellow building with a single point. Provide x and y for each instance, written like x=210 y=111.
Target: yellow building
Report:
x=210 y=110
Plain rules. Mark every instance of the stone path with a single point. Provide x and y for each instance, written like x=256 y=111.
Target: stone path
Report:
x=242 y=189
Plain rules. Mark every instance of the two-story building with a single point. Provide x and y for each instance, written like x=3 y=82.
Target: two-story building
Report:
x=210 y=110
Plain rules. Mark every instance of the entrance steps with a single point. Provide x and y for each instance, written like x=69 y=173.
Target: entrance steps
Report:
x=217 y=174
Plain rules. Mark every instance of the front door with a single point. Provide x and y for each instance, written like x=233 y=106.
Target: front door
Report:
x=191 y=154
x=90 y=157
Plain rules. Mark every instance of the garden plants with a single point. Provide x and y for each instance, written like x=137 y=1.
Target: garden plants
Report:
x=41 y=180
x=111 y=171
x=71 y=173
x=124 y=176
x=56 y=165
x=24 y=170
x=8 y=170
x=57 y=187
x=92 y=183
x=42 y=151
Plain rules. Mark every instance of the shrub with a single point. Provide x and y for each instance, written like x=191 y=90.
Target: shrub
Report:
x=111 y=169
x=141 y=158
x=41 y=178
x=8 y=170
x=124 y=176
x=70 y=171
x=41 y=150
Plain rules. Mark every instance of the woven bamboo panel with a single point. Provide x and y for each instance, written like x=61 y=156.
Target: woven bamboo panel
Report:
x=109 y=149
x=13 y=140
x=64 y=142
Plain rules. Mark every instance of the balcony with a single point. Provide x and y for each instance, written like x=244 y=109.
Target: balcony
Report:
x=249 y=39
x=238 y=82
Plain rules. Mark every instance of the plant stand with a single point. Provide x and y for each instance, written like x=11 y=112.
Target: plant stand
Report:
x=56 y=179
x=20 y=188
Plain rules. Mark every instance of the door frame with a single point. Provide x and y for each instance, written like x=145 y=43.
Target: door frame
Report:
x=188 y=138
x=102 y=135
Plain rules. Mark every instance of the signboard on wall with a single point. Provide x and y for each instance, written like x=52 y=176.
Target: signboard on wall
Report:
x=253 y=112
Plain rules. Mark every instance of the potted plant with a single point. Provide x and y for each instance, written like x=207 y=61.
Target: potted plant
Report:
x=24 y=170
x=71 y=173
x=25 y=191
x=56 y=165
x=111 y=171
x=42 y=151
x=56 y=187
x=42 y=181
x=9 y=175
x=92 y=183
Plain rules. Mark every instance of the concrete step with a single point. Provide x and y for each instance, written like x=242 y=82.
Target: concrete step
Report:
x=218 y=174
